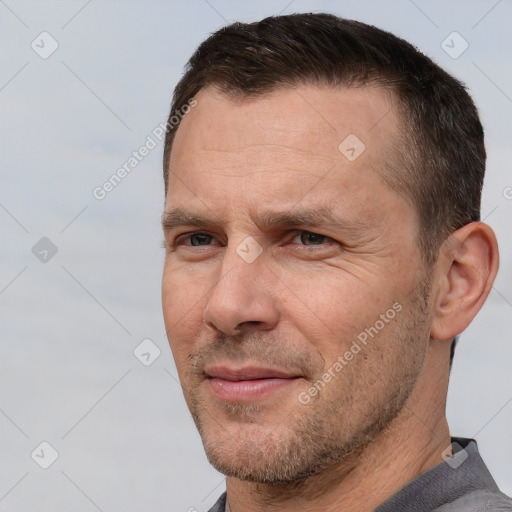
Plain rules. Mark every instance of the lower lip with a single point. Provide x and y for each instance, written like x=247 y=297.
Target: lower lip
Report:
x=247 y=390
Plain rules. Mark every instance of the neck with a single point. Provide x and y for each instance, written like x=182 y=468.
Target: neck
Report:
x=410 y=445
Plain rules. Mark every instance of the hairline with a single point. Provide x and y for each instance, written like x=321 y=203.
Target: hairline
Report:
x=397 y=156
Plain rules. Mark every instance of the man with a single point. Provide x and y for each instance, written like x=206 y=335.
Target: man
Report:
x=323 y=251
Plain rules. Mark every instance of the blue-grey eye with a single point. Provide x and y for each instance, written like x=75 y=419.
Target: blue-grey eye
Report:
x=308 y=238
x=200 y=239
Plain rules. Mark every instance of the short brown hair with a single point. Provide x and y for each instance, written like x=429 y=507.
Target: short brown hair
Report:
x=439 y=163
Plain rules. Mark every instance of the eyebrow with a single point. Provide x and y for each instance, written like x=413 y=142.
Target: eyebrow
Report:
x=319 y=217
x=178 y=217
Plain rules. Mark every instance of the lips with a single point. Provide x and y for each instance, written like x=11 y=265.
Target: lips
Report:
x=247 y=373
x=248 y=384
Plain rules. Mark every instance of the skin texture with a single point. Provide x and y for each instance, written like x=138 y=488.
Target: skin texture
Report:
x=309 y=294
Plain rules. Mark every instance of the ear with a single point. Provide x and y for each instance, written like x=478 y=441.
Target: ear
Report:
x=465 y=271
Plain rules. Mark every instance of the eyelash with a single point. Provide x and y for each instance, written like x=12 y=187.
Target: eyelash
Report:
x=187 y=237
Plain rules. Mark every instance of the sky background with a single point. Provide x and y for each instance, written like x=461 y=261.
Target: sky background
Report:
x=70 y=321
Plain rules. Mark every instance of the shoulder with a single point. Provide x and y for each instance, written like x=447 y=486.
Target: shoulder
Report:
x=479 y=501
x=461 y=483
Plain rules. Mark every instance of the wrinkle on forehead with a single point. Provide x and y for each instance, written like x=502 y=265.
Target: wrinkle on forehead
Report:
x=283 y=148
x=318 y=117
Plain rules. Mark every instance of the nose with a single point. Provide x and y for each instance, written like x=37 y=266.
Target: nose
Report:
x=242 y=297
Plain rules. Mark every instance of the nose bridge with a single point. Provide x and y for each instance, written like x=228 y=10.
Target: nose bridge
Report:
x=239 y=297
x=242 y=262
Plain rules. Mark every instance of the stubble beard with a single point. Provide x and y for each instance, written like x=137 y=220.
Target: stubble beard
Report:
x=324 y=433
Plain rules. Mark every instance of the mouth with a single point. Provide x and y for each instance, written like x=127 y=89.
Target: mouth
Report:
x=248 y=384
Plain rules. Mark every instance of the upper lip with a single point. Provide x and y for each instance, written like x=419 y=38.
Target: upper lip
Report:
x=248 y=373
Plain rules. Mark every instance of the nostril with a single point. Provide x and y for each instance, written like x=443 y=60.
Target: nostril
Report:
x=242 y=325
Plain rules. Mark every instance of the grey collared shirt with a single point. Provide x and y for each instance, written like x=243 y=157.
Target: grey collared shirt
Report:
x=461 y=483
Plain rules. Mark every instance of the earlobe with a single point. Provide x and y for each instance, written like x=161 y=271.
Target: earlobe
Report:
x=465 y=271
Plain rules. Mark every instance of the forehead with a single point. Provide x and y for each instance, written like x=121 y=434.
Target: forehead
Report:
x=306 y=144
x=311 y=117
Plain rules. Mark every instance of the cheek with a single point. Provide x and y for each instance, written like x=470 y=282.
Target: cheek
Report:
x=182 y=290
x=182 y=310
x=331 y=311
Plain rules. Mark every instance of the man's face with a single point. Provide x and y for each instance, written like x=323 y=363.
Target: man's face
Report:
x=293 y=286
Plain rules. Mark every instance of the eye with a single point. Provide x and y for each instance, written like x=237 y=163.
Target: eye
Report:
x=194 y=239
x=309 y=238
x=193 y=246
x=197 y=239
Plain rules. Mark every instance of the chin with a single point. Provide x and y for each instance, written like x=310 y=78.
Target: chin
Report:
x=268 y=455
x=253 y=469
